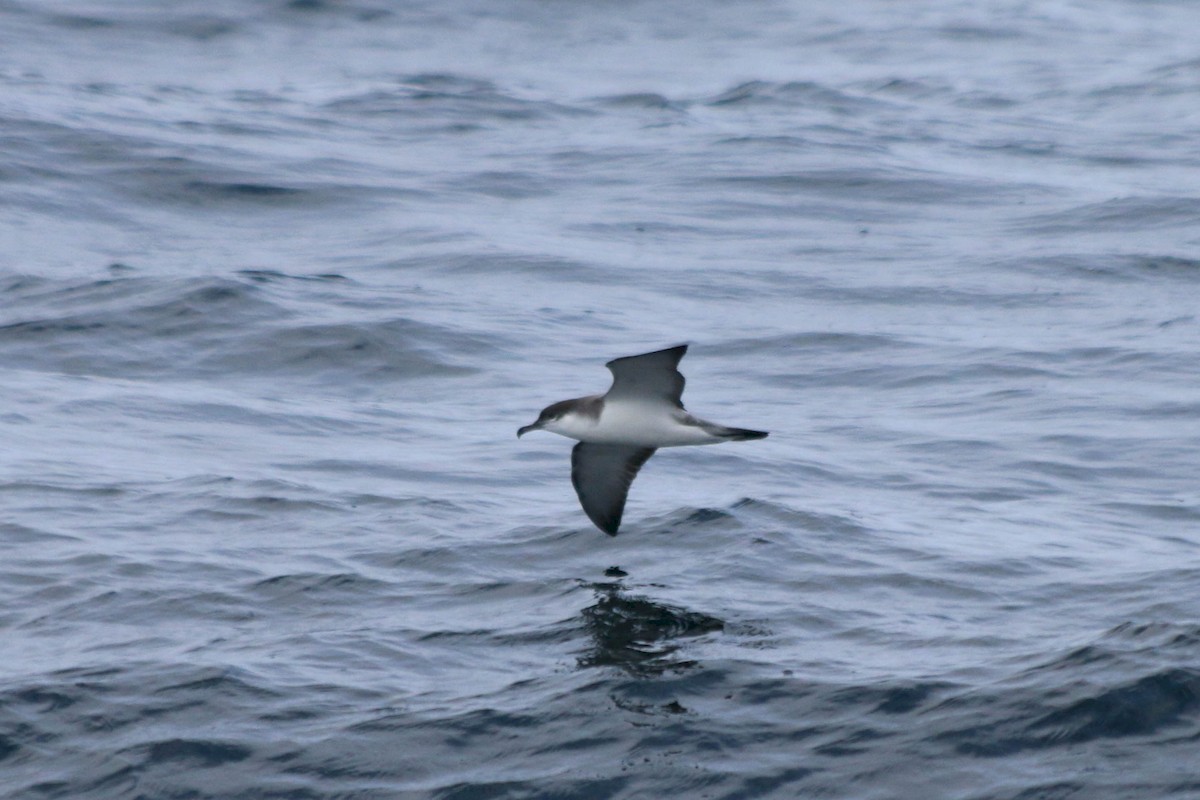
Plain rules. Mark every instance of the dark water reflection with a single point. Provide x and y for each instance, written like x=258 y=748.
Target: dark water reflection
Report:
x=637 y=634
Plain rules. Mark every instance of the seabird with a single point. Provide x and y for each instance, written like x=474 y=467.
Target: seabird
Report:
x=620 y=430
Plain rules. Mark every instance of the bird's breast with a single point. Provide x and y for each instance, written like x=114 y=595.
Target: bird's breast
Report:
x=642 y=425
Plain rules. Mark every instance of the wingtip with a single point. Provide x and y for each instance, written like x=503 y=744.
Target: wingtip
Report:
x=609 y=526
x=678 y=350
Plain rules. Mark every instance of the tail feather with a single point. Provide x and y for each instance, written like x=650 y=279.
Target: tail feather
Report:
x=735 y=434
x=744 y=434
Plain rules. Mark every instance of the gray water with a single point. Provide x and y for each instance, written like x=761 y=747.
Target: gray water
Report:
x=279 y=282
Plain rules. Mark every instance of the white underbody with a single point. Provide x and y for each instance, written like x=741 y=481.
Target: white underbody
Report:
x=635 y=423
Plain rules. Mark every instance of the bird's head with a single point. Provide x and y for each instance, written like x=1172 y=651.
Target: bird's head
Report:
x=567 y=417
x=547 y=419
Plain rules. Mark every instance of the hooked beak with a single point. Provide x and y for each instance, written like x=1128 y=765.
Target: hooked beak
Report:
x=522 y=431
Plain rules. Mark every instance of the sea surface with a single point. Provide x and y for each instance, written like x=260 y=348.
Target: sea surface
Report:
x=279 y=281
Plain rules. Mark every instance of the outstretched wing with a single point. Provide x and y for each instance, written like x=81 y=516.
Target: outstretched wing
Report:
x=601 y=474
x=652 y=376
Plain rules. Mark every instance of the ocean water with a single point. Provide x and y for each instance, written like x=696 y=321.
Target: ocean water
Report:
x=280 y=280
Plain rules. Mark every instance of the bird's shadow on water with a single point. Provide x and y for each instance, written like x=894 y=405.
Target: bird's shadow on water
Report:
x=636 y=634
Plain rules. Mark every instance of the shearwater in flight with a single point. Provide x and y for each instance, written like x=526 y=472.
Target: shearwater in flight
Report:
x=620 y=430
